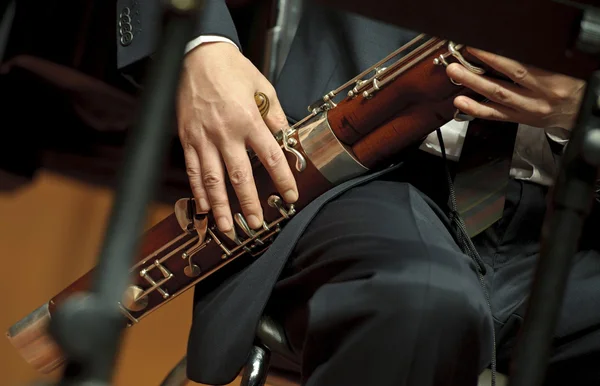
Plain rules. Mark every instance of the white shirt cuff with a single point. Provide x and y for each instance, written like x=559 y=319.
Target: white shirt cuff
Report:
x=558 y=135
x=453 y=135
x=206 y=39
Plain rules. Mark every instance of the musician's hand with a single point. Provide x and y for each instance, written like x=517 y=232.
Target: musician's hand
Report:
x=217 y=119
x=537 y=98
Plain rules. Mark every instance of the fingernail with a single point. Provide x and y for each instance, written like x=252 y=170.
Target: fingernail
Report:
x=461 y=104
x=290 y=196
x=203 y=205
x=253 y=221
x=223 y=224
x=455 y=69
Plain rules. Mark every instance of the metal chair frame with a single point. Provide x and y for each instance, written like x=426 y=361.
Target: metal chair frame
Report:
x=270 y=339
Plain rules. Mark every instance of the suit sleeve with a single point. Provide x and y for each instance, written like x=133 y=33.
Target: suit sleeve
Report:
x=139 y=25
x=215 y=19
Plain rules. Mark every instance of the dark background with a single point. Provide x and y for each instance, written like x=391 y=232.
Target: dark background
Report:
x=40 y=126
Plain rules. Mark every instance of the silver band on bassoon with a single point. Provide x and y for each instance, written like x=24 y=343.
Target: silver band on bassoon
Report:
x=331 y=157
x=32 y=340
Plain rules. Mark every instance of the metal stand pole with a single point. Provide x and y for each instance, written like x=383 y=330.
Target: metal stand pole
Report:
x=88 y=328
x=571 y=204
x=7 y=14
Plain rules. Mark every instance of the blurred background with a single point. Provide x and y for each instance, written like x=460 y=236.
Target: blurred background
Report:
x=66 y=114
x=51 y=232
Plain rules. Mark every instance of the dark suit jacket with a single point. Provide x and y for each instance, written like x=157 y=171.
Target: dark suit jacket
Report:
x=330 y=47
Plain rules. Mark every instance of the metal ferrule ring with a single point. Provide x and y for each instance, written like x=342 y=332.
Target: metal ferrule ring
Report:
x=332 y=158
x=32 y=340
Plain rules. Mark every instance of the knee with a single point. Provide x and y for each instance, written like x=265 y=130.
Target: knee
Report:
x=417 y=312
x=419 y=295
x=411 y=314
x=454 y=299
x=447 y=313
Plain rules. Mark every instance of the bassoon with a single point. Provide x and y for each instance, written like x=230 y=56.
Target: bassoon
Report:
x=392 y=105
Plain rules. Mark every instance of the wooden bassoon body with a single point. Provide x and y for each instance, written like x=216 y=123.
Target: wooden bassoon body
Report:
x=394 y=104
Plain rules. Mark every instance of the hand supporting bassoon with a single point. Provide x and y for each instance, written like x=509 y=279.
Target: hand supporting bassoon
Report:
x=385 y=110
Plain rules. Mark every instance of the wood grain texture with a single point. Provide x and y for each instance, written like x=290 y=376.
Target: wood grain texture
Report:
x=424 y=83
x=402 y=113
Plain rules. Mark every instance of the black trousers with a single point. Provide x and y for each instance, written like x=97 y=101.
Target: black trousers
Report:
x=378 y=292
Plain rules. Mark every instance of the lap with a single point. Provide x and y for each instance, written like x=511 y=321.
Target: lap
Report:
x=383 y=221
x=384 y=243
x=381 y=248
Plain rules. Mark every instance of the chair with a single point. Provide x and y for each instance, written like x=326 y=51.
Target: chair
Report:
x=271 y=340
